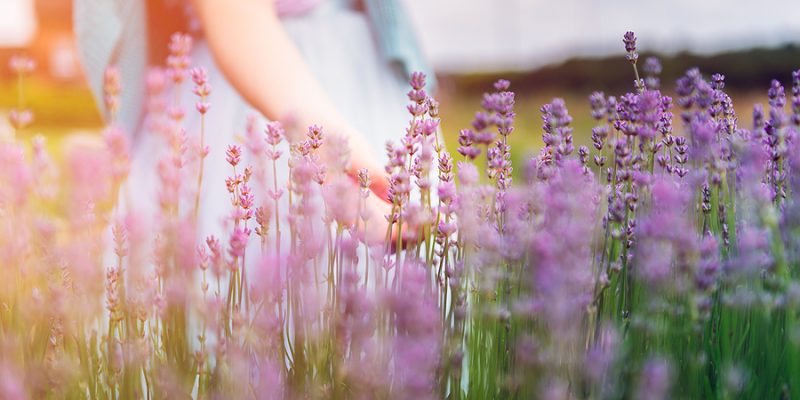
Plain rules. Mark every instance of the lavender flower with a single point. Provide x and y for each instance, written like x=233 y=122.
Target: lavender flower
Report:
x=557 y=132
x=652 y=70
x=21 y=64
x=630 y=47
x=567 y=198
x=178 y=61
x=111 y=89
x=796 y=98
x=662 y=239
x=654 y=381
x=465 y=145
x=417 y=343
x=597 y=101
x=233 y=154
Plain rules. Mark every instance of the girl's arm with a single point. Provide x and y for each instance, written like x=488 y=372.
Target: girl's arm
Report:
x=257 y=56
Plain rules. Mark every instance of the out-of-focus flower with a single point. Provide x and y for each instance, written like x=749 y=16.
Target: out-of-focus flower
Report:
x=112 y=87
x=21 y=64
x=655 y=380
x=20 y=119
x=341 y=198
x=178 y=61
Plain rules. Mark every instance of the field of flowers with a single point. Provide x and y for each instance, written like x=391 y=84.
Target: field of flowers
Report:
x=661 y=262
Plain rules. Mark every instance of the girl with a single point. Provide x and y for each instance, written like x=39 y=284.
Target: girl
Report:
x=341 y=64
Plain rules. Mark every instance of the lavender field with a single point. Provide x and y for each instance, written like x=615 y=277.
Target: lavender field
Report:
x=659 y=260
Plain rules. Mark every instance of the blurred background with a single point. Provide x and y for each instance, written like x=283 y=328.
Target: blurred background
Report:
x=566 y=48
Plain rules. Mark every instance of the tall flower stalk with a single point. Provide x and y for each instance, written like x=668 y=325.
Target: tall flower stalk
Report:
x=202 y=90
x=21 y=117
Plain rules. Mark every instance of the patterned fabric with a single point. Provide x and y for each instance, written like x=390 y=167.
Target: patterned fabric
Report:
x=111 y=32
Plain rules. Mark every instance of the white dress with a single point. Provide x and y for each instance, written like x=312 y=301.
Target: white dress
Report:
x=339 y=46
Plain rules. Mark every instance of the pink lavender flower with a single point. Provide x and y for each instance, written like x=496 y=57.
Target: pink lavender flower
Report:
x=246 y=197
x=465 y=145
x=202 y=107
x=11 y=383
x=178 y=61
x=199 y=76
x=155 y=83
x=89 y=174
x=429 y=126
x=314 y=136
x=238 y=242
x=21 y=64
x=417 y=80
x=417 y=345
x=201 y=89
x=364 y=179
x=274 y=133
x=467 y=173
x=112 y=87
x=233 y=155
x=20 y=119
x=340 y=200
x=118 y=146
x=419 y=105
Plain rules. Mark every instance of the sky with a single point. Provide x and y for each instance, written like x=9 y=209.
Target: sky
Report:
x=490 y=35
